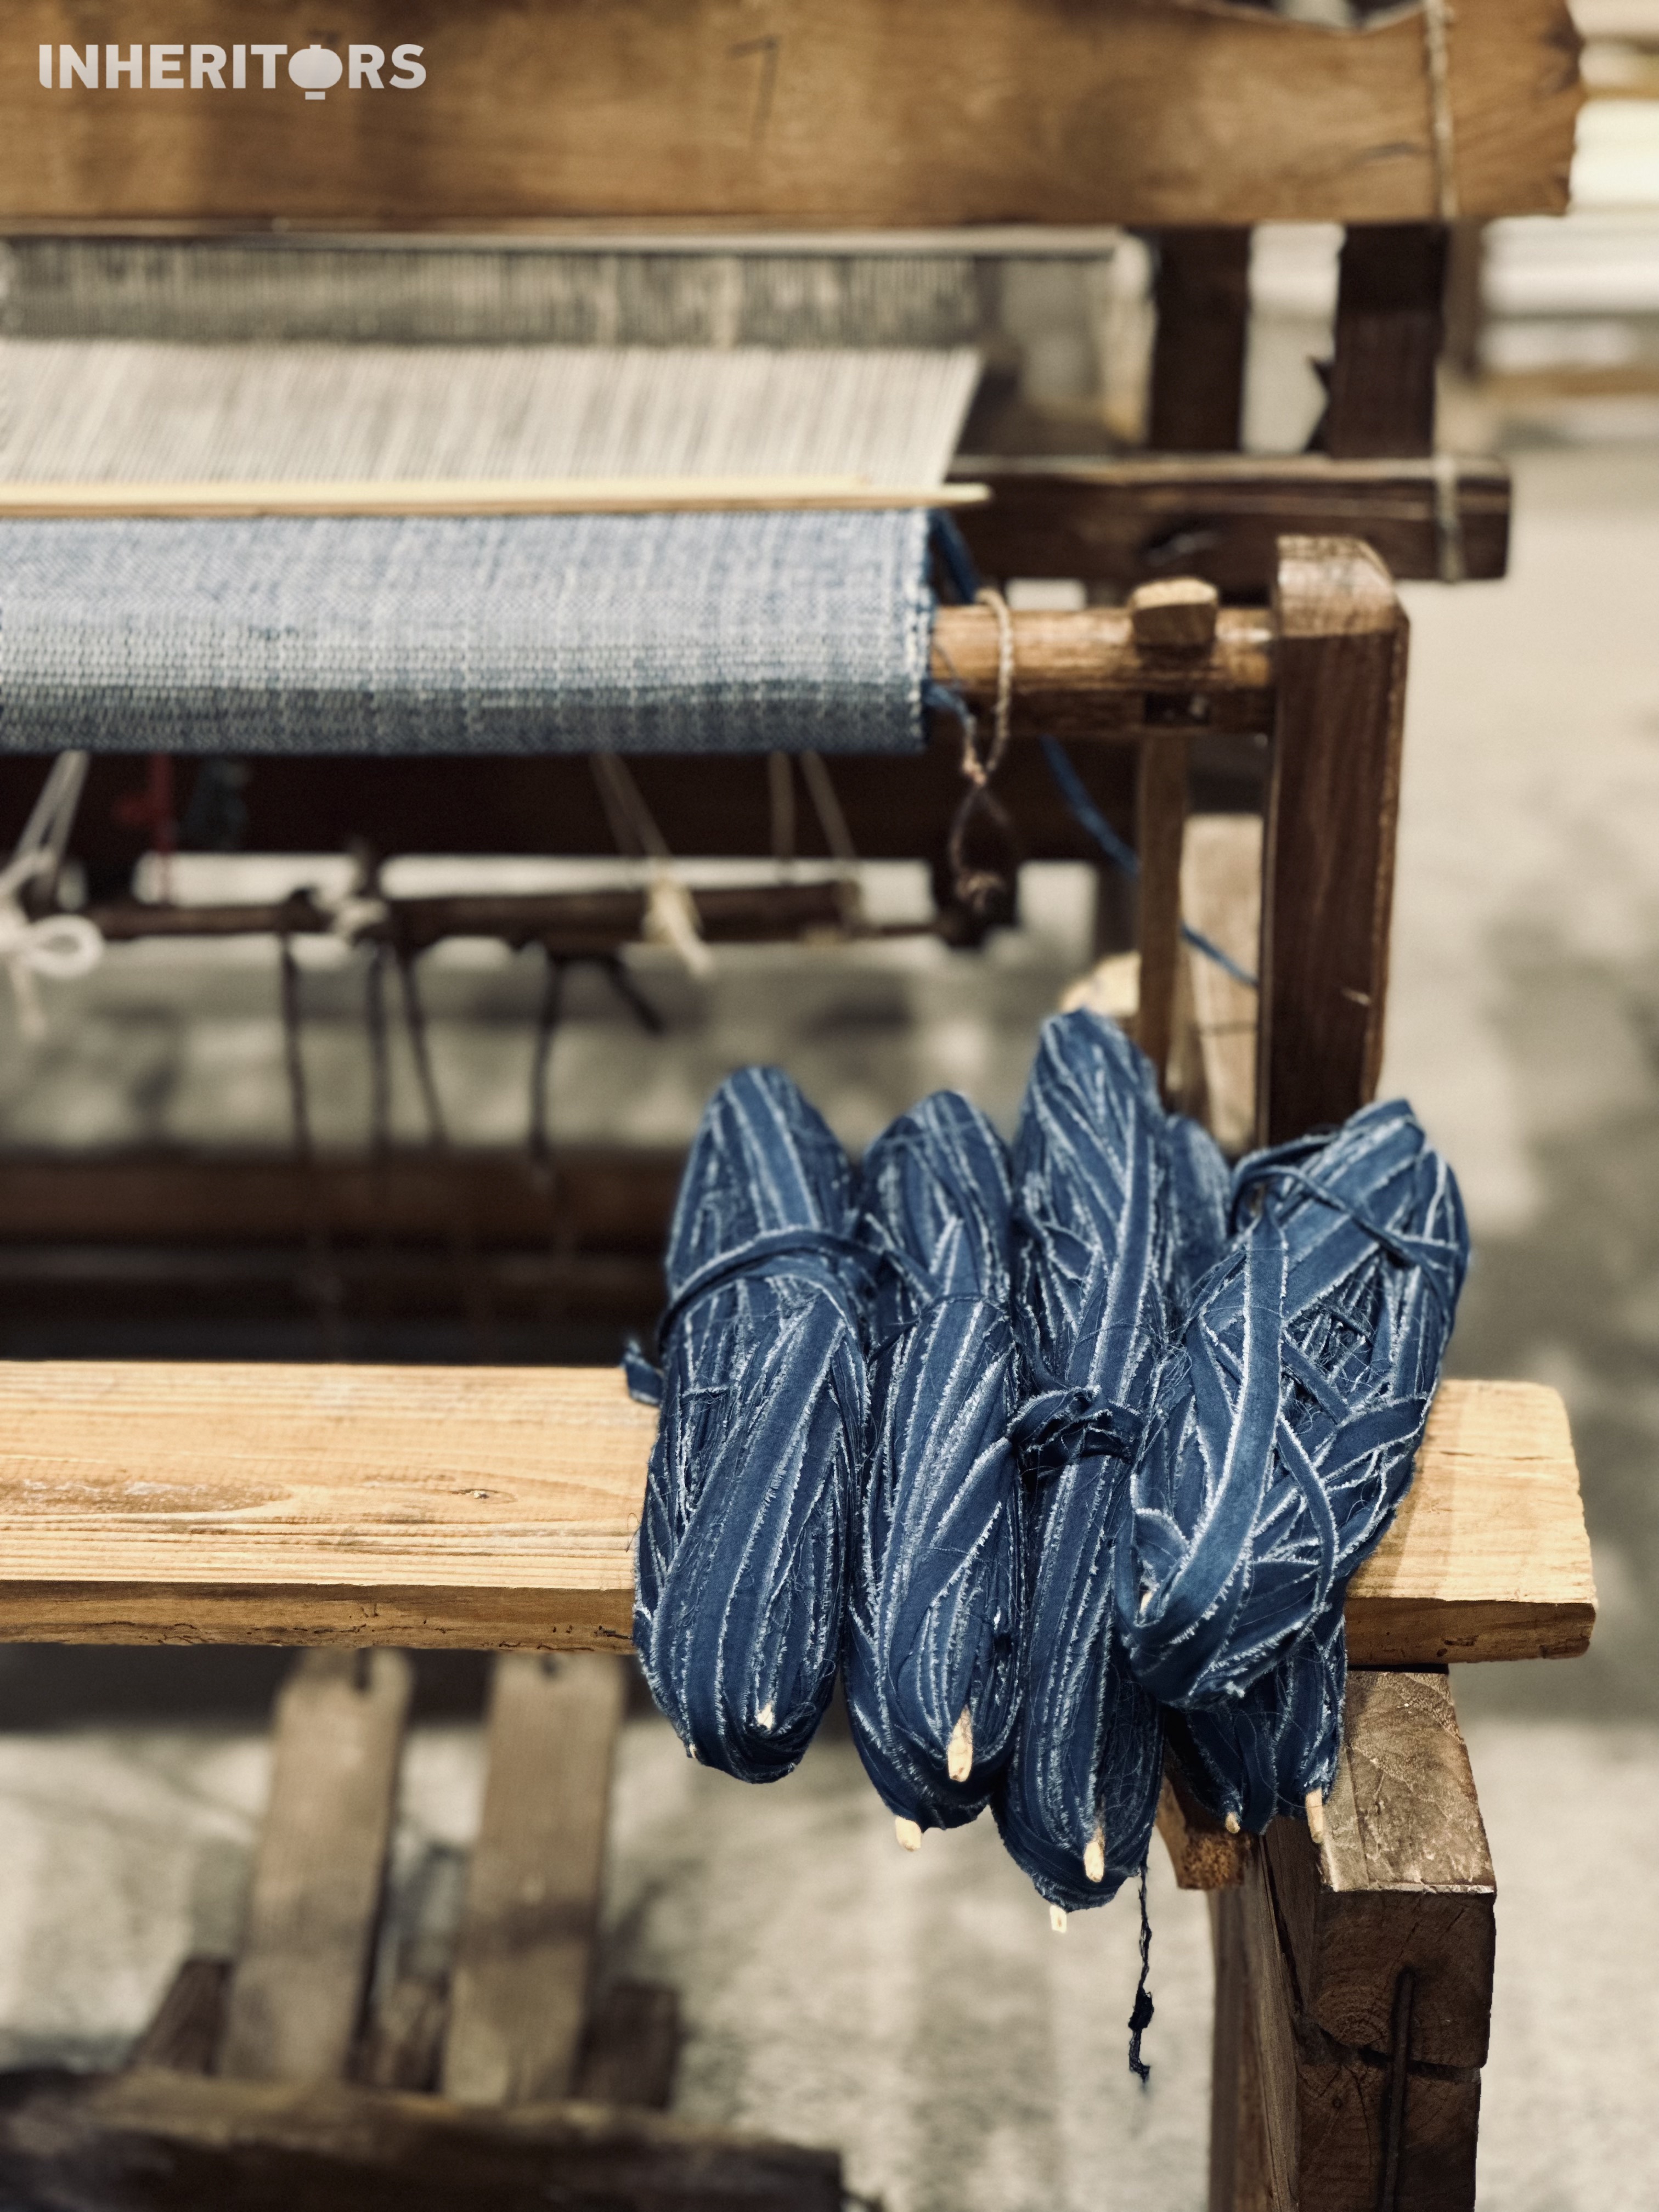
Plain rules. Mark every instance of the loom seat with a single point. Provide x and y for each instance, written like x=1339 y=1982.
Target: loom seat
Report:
x=149 y=1503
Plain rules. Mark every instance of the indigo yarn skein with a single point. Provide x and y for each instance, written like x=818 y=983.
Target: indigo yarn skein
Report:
x=1288 y=1418
x=1095 y=1254
x=931 y=1658
x=753 y=1476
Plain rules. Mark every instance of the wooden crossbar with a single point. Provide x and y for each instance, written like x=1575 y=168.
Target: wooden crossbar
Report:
x=479 y=1508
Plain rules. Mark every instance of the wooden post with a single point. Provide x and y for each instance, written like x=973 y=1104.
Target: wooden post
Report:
x=1389 y=323
x=1355 y=1978
x=1203 y=301
x=296 y=1995
x=524 y=1963
x=1160 y=825
x=1333 y=797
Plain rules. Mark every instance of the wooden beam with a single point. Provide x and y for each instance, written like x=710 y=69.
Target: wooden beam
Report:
x=1326 y=897
x=296 y=1994
x=151 y=2142
x=837 y=114
x=1202 y=296
x=1160 y=826
x=1390 y=324
x=1359 y=1995
x=231 y=501
x=524 y=1961
x=486 y=1508
x=1221 y=516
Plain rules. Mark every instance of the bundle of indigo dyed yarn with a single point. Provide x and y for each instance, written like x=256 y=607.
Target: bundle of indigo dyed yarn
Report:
x=1110 y=1212
x=754 y=1475
x=931 y=1662
x=1285 y=1425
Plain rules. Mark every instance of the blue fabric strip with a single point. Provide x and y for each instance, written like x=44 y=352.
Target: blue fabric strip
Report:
x=753 y=1478
x=934 y=1603
x=649 y=633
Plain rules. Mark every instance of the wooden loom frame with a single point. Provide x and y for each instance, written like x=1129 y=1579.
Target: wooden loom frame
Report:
x=219 y=1504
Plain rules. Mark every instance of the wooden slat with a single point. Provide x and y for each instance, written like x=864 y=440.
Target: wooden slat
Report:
x=838 y=113
x=1201 y=1852
x=1366 y=1980
x=1221 y=516
x=1493 y=1523
x=1221 y=897
x=1202 y=297
x=436 y=495
x=150 y=2141
x=296 y=1996
x=1327 y=866
x=1389 y=326
x=524 y=1961
x=496 y=1508
x=1240 y=2176
x=1160 y=823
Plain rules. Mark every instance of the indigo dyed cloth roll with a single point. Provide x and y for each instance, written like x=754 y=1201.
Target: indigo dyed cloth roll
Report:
x=1097 y=1264
x=753 y=1476
x=517 y=634
x=1288 y=1418
x=933 y=1611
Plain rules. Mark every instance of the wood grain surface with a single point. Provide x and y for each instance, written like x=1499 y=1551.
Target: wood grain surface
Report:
x=296 y=1994
x=231 y=501
x=524 y=1960
x=1221 y=515
x=814 y=112
x=151 y=2141
x=495 y=1508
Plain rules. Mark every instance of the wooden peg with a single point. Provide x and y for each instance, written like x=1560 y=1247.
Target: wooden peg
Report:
x=1175 y=616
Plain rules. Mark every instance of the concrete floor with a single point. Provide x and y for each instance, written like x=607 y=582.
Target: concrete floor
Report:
x=918 y=2012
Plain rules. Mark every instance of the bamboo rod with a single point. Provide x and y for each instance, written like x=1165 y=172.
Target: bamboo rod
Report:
x=465 y=495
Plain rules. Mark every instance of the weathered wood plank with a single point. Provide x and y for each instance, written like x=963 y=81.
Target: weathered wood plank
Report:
x=1160 y=824
x=1327 y=897
x=1368 y=1963
x=1389 y=326
x=495 y=1508
x=1202 y=297
x=1221 y=516
x=1221 y=897
x=296 y=1995
x=1201 y=1851
x=524 y=1961
x=831 y=112
x=151 y=2141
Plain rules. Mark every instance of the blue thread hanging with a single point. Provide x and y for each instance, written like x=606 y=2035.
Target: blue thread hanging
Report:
x=753 y=1476
x=931 y=1665
x=1096 y=1256
x=1286 y=1423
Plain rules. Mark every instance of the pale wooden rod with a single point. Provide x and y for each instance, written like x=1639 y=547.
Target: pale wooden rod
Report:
x=395 y=496
x=1092 y=652
x=211 y=500
x=193 y=1502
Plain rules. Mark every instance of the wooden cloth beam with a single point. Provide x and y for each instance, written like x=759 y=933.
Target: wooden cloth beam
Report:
x=153 y=1503
x=827 y=114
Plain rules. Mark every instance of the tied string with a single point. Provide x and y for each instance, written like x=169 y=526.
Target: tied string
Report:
x=977 y=887
x=1066 y=1423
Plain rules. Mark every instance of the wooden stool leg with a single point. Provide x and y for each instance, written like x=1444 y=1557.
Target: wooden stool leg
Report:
x=1366 y=1971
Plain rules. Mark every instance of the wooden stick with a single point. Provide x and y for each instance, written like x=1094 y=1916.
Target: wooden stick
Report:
x=1161 y=811
x=389 y=496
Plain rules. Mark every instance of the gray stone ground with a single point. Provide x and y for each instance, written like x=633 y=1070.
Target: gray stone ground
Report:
x=919 y=2012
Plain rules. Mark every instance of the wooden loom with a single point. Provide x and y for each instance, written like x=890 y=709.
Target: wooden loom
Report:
x=361 y=1507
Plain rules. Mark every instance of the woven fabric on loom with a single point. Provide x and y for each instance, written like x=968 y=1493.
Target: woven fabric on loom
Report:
x=134 y=411
x=679 y=633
